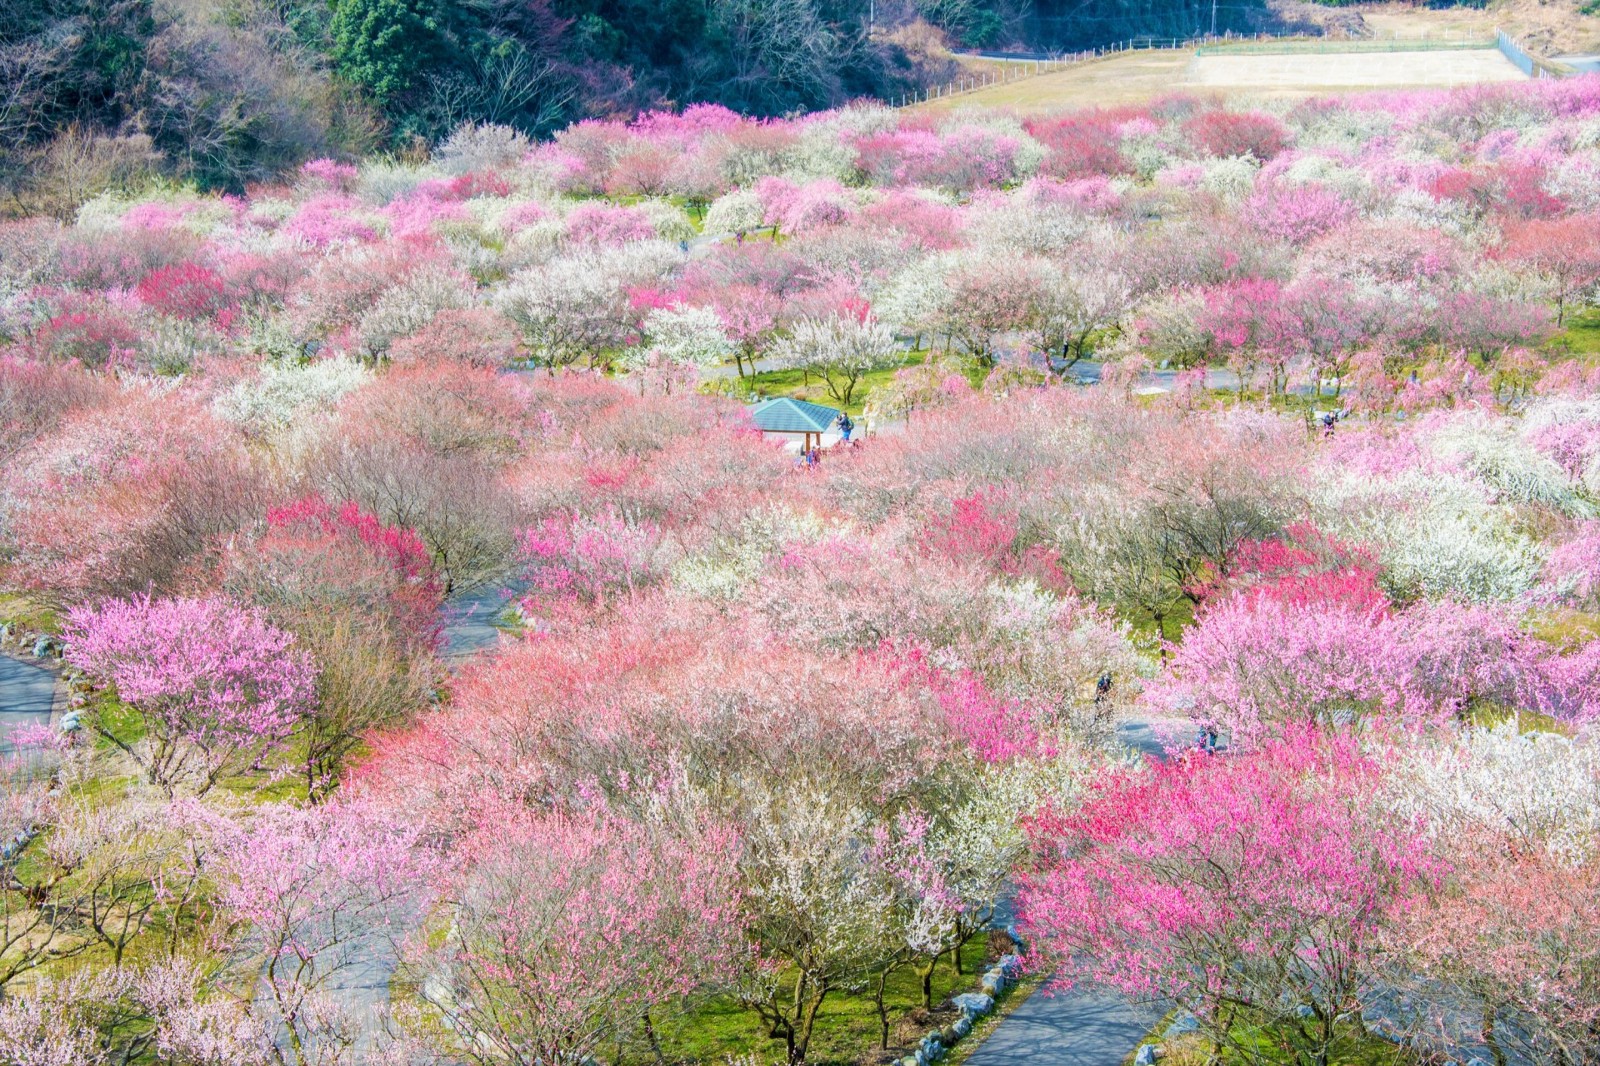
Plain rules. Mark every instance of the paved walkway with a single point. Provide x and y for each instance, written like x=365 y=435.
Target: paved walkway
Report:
x=469 y=625
x=27 y=694
x=1086 y=1025
x=360 y=981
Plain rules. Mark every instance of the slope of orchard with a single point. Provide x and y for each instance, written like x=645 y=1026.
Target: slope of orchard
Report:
x=762 y=737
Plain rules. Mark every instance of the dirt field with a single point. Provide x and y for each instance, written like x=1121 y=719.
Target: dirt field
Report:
x=1140 y=76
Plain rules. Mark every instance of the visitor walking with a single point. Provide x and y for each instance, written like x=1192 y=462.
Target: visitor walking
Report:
x=846 y=427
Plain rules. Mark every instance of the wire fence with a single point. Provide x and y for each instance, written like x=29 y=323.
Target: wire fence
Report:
x=1531 y=65
x=1313 y=46
x=1019 y=68
x=1013 y=67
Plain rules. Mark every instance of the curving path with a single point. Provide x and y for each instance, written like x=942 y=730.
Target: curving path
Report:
x=27 y=695
x=360 y=978
x=1086 y=1025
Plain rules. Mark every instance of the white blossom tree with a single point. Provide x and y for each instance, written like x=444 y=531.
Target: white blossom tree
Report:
x=569 y=310
x=840 y=349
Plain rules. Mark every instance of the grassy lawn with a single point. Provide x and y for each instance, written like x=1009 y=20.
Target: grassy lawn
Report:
x=1272 y=1045
x=1566 y=628
x=20 y=610
x=769 y=384
x=847 y=1027
x=1582 y=334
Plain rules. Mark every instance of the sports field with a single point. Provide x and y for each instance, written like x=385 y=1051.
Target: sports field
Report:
x=1357 y=70
x=1134 y=77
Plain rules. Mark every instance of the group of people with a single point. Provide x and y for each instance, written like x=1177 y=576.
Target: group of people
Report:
x=813 y=455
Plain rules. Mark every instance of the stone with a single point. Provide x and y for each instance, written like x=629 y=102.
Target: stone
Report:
x=1145 y=1056
x=974 y=1003
x=991 y=983
x=962 y=1026
x=1010 y=965
x=1183 y=1023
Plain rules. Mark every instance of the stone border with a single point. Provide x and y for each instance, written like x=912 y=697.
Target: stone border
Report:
x=996 y=979
x=66 y=706
x=42 y=650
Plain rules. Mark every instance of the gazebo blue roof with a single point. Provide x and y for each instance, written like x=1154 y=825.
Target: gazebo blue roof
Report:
x=786 y=415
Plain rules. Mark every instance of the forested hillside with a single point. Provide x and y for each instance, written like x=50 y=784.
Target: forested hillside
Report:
x=96 y=93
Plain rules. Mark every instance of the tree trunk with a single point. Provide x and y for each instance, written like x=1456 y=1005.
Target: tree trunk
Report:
x=808 y=1019
x=655 y=1044
x=1491 y=1039
x=926 y=973
x=883 y=1012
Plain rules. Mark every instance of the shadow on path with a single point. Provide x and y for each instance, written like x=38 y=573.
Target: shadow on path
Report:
x=1082 y=1026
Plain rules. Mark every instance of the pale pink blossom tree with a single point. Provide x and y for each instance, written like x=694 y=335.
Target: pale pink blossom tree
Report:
x=566 y=930
x=310 y=897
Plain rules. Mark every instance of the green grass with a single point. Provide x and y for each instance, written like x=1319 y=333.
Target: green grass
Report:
x=769 y=384
x=1566 y=628
x=19 y=610
x=846 y=1031
x=1582 y=333
x=1270 y=1045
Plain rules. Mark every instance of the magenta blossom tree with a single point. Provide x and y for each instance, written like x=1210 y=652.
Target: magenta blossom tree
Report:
x=1249 y=890
x=214 y=686
x=1260 y=661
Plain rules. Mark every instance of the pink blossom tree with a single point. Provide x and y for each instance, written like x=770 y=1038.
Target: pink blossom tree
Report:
x=591 y=559
x=1561 y=251
x=1249 y=890
x=1256 y=664
x=214 y=687
x=309 y=898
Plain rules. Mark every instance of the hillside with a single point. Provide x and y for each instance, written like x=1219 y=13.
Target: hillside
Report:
x=458 y=627
x=105 y=93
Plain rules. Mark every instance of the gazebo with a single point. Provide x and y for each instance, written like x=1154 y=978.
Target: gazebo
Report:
x=784 y=415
